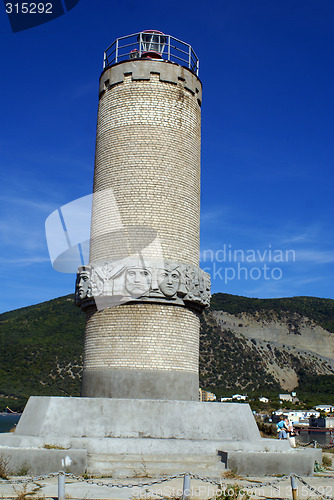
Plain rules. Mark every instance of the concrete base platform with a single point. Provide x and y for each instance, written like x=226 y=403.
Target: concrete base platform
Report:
x=128 y=438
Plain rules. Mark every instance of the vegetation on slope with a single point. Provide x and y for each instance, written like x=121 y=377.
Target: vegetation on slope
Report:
x=41 y=349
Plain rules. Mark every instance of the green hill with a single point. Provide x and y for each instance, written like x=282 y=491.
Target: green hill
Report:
x=41 y=348
x=41 y=351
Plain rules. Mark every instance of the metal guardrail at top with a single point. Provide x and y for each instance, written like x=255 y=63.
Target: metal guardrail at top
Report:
x=151 y=44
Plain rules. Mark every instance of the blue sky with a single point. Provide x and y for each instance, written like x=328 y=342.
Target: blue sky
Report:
x=267 y=138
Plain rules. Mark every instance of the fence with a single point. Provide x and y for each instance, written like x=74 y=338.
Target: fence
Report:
x=152 y=44
x=224 y=490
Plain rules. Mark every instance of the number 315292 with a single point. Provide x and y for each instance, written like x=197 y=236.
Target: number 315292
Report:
x=29 y=8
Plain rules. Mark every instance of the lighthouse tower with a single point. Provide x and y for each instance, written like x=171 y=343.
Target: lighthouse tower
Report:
x=143 y=290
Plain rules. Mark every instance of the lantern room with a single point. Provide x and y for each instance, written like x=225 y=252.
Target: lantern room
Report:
x=151 y=44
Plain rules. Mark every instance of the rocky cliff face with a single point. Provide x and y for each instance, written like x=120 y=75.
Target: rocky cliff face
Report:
x=276 y=346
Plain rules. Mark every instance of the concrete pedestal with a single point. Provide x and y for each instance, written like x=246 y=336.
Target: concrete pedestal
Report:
x=126 y=438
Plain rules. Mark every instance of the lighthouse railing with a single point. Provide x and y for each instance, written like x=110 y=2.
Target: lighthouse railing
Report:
x=130 y=47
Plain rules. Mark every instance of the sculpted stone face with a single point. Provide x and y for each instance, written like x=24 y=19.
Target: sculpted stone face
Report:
x=138 y=281
x=83 y=283
x=152 y=281
x=169 y=281
x=193 y=283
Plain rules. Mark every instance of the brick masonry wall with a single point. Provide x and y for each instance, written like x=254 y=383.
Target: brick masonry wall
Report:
x=147 y=173
x=148 y=152
x=142 y=336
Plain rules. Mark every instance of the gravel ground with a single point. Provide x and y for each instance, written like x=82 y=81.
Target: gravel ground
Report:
x=279 y=488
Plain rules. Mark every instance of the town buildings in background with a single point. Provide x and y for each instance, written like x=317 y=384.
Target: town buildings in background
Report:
x=318 y=416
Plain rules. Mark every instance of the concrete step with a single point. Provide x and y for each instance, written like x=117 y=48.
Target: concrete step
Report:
x=154 y=457
x=154 y=465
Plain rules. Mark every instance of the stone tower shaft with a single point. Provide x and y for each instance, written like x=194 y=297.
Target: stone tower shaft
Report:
x=143 y=342
x=148 y=152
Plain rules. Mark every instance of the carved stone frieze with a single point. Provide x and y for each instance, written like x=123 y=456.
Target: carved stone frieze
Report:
x=109 y=283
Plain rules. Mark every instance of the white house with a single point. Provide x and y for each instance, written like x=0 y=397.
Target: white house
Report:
x=239 y=397
x=325 y=408
x=312 y=413
x=264 y=400
x=330 y=422
x=225 y=399
x=285 y=397
x=297 y=415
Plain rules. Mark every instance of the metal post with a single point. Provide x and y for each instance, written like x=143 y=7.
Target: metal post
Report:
x=189 y=62
x=294 y=488
x=168 y=57
x=186 y=487
x=61 y=486
x=116 y=60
